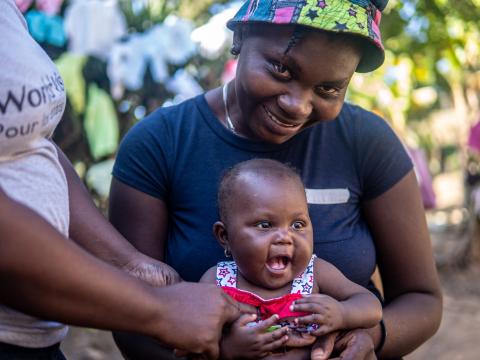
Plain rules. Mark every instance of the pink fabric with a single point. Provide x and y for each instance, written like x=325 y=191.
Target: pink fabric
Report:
x=51 y=7
x=474 y=137
x=249 y=11
x=23 y=5
x=376 y=29
x=266 y=308
x=283 y=15
x=423 y=175
x=229 y=70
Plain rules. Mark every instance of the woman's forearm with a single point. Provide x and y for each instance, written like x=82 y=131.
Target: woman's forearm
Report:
x=88 y=227
x=47 y=275
x=404 y=254
x=410 y=320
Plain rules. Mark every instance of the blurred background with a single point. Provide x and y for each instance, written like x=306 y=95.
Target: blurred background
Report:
x=122 y=59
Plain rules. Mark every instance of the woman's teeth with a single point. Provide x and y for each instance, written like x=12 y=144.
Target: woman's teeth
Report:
x=275 y=120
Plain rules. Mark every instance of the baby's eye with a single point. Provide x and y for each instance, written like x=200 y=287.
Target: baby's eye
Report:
x=281 y=70
x=298 y=225
x=263 y=225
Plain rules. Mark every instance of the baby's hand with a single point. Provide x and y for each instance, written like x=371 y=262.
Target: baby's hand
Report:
x=248 y=341
x=326 y=312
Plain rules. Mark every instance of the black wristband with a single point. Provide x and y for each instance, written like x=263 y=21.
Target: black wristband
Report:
x=383 y=337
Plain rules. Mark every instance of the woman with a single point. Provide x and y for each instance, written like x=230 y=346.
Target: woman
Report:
x=296 y=59
x=43 y=203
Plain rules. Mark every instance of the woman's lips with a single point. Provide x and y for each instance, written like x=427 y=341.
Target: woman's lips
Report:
x=279 y=122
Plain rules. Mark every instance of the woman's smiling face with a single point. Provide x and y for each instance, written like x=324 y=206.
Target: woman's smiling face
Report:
x=278 y=94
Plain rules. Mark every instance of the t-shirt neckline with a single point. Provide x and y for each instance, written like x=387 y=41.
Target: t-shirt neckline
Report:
x=234 y=140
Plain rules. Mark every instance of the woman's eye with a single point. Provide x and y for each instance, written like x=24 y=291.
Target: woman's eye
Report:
x=281 y=70
x=298 y=225
x=263 y=225
x=326 y=89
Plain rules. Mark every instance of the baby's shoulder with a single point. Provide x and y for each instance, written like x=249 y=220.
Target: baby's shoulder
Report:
x=323 y=271
x=210 y=276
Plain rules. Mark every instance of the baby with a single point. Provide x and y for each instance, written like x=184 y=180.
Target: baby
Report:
x=265 y=226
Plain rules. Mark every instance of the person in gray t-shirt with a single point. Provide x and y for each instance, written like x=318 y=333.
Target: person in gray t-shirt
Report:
x=43 y=203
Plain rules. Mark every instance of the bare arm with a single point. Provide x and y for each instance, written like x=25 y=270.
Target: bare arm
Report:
x=142 y=219
x=361 y=309
x=91 y=230
x=88 y=227
x=210 y=276
x=340 y=304
x=44 y=274
x=412 y=291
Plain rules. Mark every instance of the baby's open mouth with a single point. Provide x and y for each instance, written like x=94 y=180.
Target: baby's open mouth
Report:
x=278 y=263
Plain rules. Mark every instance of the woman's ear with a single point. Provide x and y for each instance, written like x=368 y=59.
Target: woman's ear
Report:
x=237 y=42
x=220 y=233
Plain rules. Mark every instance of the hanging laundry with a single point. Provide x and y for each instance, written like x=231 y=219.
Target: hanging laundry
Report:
x=424 y=178
x=213 y=37
x=101 y=123
x=23 y=5
x=50 y=7
x=126 y=65
x=164 y=43
x=46 y=28
x=175 y=39
x=70 y=67
x=183 y=85
x=99 y=177
x=93 y=26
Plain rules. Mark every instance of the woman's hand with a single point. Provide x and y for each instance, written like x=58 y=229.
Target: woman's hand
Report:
x=324 y=311
x=154 y=272
x=291 y=354
x=193 y=316
x=353 y=345
x=244 y=341
x=321 y=350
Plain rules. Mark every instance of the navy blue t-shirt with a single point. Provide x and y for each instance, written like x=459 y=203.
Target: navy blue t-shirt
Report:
x=179 y=153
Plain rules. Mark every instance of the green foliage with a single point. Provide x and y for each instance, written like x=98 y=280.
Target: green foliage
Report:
x=431 y=44
x=143 y=14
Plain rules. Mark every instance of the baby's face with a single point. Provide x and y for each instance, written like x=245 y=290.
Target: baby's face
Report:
x=269 y=230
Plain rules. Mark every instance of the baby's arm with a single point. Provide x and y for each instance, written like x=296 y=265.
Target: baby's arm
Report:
x=341 y=304
x=244 y=341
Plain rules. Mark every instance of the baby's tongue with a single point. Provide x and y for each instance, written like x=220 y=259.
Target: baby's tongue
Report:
x=277 y=263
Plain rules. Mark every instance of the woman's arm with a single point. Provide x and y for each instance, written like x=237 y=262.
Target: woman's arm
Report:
x=44 y=274
x=412 y=291
x=140 y=218
x=143 y=220
x=91 y=230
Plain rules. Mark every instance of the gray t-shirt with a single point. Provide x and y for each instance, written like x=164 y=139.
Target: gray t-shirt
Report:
x=32 y=101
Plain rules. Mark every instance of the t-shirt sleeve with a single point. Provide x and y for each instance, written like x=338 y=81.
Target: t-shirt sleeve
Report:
x=381 y=157
x=143 y=157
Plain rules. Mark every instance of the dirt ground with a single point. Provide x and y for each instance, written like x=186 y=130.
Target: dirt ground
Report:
x=457 y=339
x=459 y=335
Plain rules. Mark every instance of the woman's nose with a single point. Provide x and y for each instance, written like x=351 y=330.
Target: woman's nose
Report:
x=296 y=103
